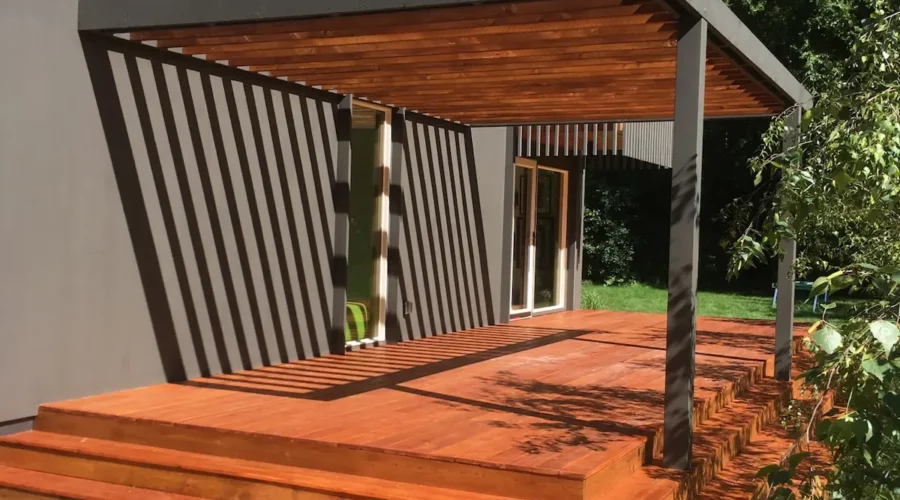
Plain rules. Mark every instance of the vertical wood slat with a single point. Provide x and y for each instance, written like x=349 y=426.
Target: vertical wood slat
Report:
x=528 y=141
x=567 y=141
x=615 y=138
x=394 y=305
x=339 y=270
x=519 y=133
x=556 y=142
x=584 y=142
x=596 y=126
x=547 y=141
x=605 y=143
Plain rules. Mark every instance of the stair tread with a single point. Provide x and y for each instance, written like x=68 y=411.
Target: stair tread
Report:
x=76 y=488
x=302 y=478
x=739 y=481
x=716 y=437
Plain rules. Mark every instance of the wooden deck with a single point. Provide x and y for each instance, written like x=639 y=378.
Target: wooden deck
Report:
x=556 y=407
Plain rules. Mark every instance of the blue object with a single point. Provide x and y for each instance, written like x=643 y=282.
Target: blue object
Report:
x=803 y=286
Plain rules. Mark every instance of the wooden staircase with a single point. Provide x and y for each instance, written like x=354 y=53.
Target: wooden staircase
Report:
x=86 y=456
x=59 y=461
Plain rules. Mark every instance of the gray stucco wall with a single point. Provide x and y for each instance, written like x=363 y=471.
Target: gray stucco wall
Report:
x=493 y=148
x=73 y=316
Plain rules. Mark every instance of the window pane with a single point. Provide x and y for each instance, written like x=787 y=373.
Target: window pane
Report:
x=547 y=234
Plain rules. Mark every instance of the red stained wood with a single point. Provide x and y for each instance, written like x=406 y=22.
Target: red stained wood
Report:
x=484 y=58
x=538 y=405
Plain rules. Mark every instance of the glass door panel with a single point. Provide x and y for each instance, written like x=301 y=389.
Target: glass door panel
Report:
x=522 y=239
x=548 y=239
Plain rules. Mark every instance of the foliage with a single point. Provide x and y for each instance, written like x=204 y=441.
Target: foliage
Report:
x=838 y=194
x=608 y=237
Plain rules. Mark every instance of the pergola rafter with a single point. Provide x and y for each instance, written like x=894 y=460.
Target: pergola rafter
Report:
x=479 y=64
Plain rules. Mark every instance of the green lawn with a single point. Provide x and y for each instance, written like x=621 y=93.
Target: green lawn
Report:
x=644 y=298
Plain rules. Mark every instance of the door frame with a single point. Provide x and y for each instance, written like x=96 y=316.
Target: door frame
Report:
x=382 y=219
x=562 y=249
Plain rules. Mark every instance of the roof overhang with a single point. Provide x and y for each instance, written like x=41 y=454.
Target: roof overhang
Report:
x=530 y=61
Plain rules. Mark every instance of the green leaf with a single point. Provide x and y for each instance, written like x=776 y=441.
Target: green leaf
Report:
x=876 y=368
x=780 y=477
x=842 y=179
x=885 y=332
x=768 y=470
x=828 y=339
x=892 y=400
x=819 y=286
x=795 y=459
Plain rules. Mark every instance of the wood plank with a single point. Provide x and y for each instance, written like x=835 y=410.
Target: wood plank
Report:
x=637 y=37
x=570 y=25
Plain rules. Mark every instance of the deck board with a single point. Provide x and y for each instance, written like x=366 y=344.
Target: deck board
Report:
x=563 y=394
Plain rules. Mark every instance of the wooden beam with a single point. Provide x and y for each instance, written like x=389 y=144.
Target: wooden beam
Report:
x=646 y=53
x=655 y=32
x=451 y=54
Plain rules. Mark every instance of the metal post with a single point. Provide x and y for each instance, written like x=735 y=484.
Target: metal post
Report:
x=683 y=243
x=341 y=195
x=784 y=324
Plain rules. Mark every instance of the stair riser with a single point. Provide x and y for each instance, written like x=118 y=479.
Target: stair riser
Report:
x=314 y=455
x=703 y=474
x=641 y=456
x=11 y=494
x=141 y=476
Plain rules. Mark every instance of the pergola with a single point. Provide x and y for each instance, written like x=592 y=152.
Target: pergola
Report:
x=501 y=63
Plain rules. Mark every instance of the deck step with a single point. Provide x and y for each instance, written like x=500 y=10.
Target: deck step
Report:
x=23 y=484
x=354 y=462
x=204 y=476
x=718 y=442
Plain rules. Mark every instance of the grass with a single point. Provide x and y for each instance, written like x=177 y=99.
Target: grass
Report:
x=644 y=298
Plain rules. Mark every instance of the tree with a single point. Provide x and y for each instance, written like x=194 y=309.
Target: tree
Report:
x=838 y=194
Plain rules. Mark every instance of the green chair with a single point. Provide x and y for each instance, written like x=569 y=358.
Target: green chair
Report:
x=357 y=319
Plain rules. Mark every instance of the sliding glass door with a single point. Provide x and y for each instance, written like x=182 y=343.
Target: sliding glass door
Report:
x=538 y=250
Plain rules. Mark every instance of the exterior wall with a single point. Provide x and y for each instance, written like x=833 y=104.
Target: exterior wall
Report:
x=492 y=149
x=73 y=316
x=164 y=218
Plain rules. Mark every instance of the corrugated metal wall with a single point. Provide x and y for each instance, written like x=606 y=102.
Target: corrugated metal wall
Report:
x=444 y=283
x=235 y=176
x=647 y=142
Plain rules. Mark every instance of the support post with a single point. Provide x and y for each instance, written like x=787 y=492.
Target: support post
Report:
x=784 y=323
x=341 y=197
x=684 y=233
x=395 y=309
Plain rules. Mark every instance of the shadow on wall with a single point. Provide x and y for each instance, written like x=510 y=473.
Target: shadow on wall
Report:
x=226 y=182
x=442 y=255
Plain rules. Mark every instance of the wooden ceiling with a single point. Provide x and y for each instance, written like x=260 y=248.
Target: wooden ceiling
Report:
x=517 y=62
